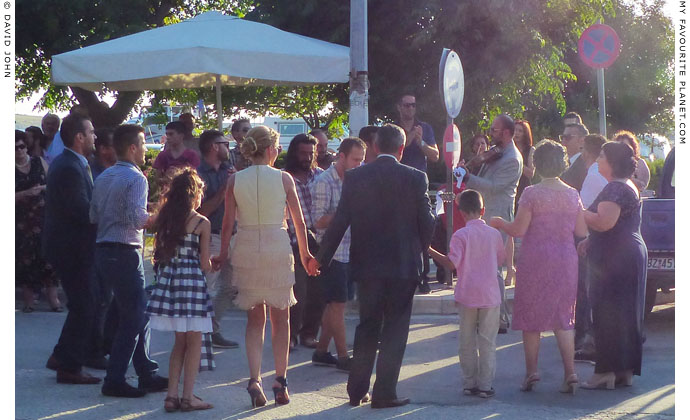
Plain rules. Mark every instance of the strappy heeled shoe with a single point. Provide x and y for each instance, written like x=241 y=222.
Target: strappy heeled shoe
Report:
x=570 y=384
x=529 y=382
x=186 y=405
x=256 y=394
x=624 y=378
x=280 y=393
x=171 y=404
x=607 y=380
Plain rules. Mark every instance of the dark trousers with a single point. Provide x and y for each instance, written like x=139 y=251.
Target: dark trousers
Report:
x=78 y=283
x=123 y=270
x=385 y=306
x=297 y=310
x=584 y=334
x=313 y=307
x=105 y=320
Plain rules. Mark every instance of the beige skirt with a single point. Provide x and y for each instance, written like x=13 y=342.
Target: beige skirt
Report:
x=263 y=267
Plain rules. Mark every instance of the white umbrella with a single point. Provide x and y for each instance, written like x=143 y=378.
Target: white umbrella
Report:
x=209 y=49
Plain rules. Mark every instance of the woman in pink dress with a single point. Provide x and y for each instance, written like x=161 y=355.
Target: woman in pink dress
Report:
x=548 y=216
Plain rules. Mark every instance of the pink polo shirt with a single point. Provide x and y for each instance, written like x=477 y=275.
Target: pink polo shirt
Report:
x=475 y=251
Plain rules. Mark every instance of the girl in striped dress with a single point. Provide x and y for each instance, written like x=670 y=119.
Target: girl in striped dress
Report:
x=180 y=301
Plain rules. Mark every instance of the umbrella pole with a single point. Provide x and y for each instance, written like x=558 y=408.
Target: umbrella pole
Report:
x=219 y=104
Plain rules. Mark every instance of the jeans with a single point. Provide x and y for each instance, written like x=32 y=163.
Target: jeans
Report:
x=123 y=270
x=478 y=329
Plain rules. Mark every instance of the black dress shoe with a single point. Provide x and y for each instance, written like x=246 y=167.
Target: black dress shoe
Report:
x=53 y=363
x=309 y=342
x=123 y=390
x=424 y=288
x=153 y=383
x=356 y=402
x=78 y=378
x=398 y=402
x=100 y=363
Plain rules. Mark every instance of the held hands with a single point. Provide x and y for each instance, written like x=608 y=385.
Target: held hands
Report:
x=312 y=266
x=417 y=135
x=217 y=261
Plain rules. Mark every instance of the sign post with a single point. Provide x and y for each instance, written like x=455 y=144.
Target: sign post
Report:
x=599 y=46
x=452 y=85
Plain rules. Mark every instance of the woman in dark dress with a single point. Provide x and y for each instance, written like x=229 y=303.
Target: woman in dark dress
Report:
x=523 y=141
x=617 y=258
x=32 y=272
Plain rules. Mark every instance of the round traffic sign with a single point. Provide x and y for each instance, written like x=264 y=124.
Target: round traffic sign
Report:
x=452 y=145
x=599 y=46
x=452 y=80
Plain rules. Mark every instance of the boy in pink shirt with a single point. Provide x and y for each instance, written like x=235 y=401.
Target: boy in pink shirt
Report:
x=476 y=251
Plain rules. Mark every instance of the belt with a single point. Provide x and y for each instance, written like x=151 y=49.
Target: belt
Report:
x=116 y=245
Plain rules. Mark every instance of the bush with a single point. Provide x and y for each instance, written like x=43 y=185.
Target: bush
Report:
x=280 y=161
x=655 y=169
x=150 y=173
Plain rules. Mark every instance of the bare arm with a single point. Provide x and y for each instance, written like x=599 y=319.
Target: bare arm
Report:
x=324 y=221
x=212 y=204
x=441 y=259
x=528 y=168
x=580 y=225
x=605 y=218
x=431 y=152
x=205 y=245
x=516 y=228
x=297 y=218
x=228 y=221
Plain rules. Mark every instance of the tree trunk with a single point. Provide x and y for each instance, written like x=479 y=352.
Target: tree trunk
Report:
x=103 y=115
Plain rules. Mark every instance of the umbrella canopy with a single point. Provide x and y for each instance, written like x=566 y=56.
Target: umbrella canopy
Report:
x=191 y=53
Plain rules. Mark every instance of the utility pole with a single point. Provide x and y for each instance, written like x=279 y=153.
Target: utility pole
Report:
x=359 y=65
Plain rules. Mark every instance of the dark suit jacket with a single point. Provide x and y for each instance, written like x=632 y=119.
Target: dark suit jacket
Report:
x=576 y=174
x=386 y=205
x=68 y=236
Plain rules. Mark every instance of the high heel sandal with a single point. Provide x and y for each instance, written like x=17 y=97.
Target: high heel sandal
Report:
x=624 y=378
x=607 y=379
x=529 y=382
x=171 y=404
x=280 y=393
x=256 y=394
x=186 y=405
x=570 y=384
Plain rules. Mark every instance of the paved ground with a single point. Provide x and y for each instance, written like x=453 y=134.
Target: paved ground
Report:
x=430 y=376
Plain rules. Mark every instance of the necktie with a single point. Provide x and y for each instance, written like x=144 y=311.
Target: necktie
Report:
x=88 y=171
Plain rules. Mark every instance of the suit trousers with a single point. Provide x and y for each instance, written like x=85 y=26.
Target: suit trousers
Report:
x=220 y=285
x=105 y=320
x=584 y=334
x=505 y=312
x=314 y=303
x=385 y=306
x=297 y=310
x=123 y=270
x=478 y=330
x=78 y=283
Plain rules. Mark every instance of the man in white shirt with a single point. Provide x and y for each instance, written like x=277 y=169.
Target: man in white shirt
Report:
x=594 y=182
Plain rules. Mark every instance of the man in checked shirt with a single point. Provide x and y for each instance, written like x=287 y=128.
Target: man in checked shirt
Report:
x=305 y=316
x=325 y=193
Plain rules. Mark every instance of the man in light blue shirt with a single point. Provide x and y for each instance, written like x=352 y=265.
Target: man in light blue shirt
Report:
x=118 y=207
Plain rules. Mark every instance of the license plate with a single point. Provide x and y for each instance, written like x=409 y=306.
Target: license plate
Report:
x=661 y=264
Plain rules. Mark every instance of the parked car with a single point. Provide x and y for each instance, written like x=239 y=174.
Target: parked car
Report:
x=659 y=233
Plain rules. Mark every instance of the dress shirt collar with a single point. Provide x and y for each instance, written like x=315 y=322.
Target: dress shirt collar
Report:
x=386 y=154
x=574 y=157
x=81 y=157
x=129 y=164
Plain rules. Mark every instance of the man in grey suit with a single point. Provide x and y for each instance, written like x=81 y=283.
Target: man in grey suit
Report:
x=497 y=182
x=386 y=205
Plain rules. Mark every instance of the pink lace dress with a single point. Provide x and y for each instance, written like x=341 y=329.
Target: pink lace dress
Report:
x=546 y=280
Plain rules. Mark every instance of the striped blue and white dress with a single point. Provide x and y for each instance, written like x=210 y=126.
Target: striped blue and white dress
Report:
x=180 y=300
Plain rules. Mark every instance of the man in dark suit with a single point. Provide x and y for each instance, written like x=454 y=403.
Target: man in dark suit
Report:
x=68 y=244
x=573 y=138
x=386 y=205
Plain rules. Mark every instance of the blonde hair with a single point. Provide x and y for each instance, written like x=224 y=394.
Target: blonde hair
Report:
x=258 y=139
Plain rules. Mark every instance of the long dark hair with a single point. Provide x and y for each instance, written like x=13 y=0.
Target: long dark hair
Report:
x=178 y=202
x=291 y=160
x=526 y=142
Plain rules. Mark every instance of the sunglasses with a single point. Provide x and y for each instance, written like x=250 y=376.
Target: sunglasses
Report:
x=410 y=105
x=20 y=147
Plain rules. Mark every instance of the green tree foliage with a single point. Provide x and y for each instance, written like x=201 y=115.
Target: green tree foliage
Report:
x=639 y=85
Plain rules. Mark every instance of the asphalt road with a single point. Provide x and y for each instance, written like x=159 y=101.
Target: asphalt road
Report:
x=430 y=377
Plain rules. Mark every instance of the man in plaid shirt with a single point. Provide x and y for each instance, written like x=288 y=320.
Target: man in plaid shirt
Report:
x=325 y=193
x=305 y=316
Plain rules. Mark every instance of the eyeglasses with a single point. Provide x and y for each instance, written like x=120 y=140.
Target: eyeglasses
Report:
x=20 y=147
x=565 y=137
x=410 y=105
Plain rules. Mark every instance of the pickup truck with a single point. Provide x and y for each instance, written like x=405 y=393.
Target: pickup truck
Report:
x=658 y=231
